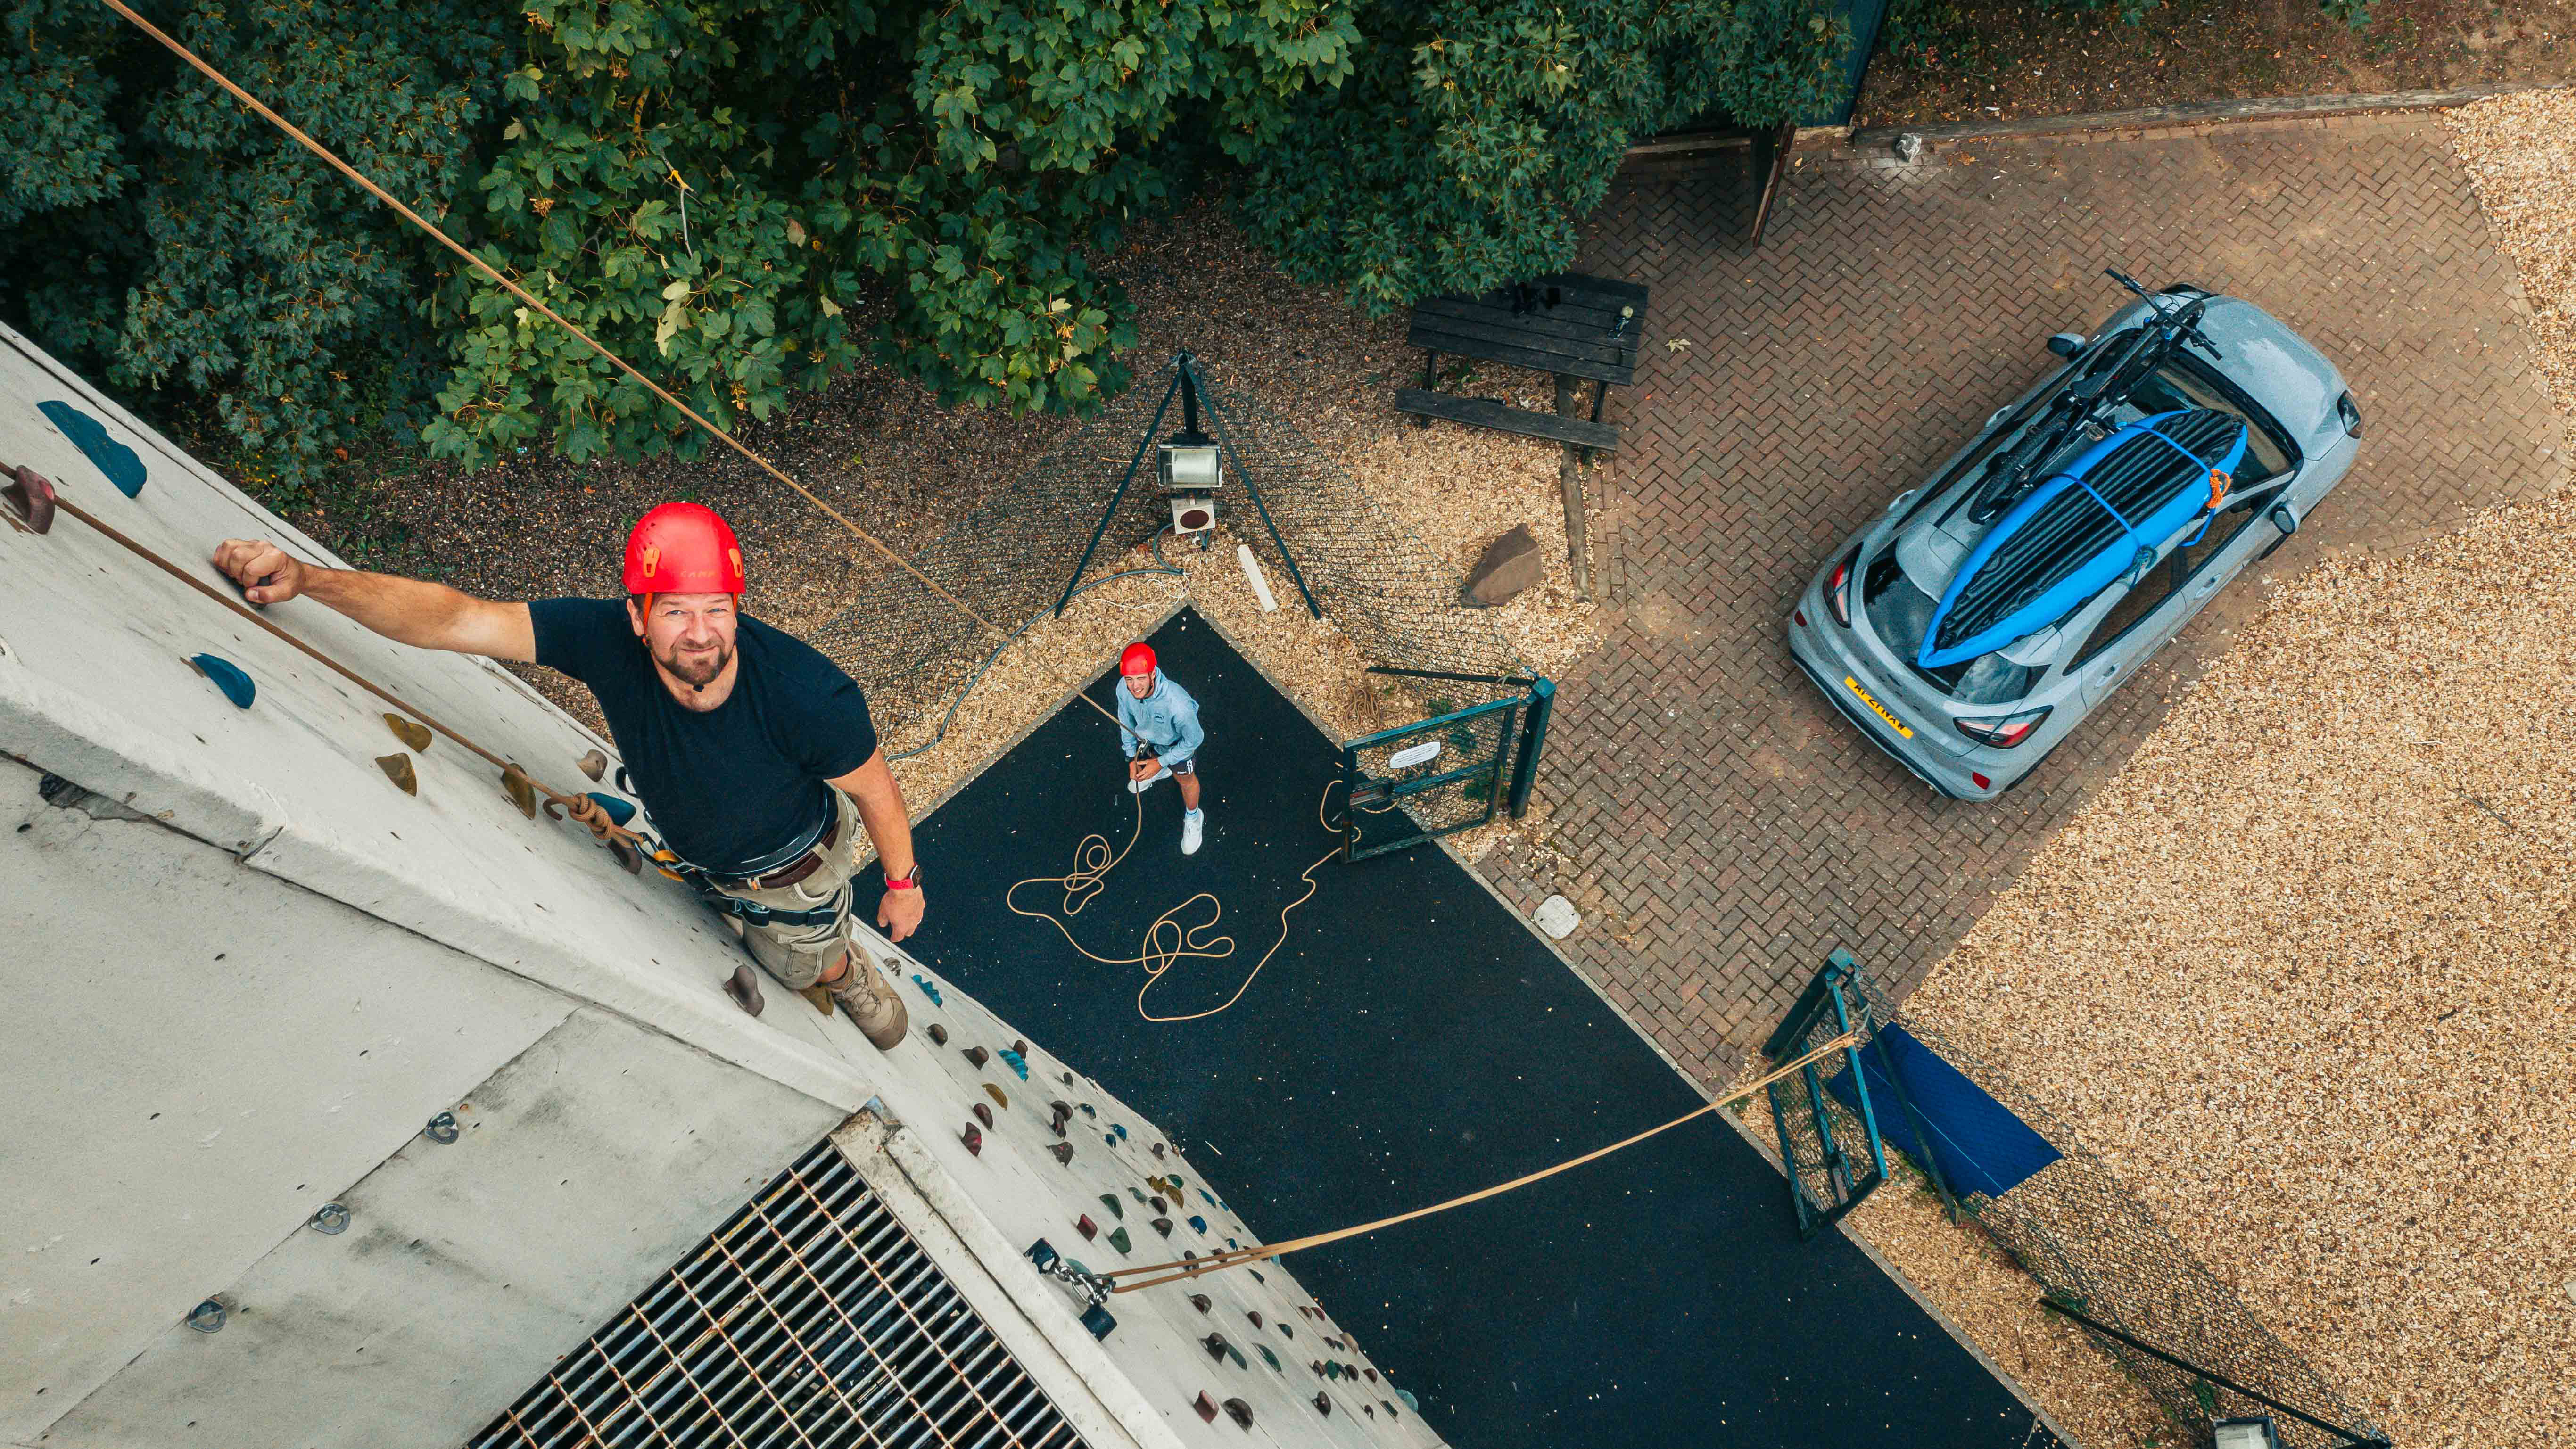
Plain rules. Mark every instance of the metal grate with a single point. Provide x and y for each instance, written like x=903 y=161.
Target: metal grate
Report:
x=810 y=1320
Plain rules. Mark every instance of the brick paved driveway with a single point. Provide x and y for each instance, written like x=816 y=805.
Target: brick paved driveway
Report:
x=1723 y=827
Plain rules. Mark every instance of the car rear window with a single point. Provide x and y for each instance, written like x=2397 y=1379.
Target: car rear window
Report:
x=2182 y=382
x=1901 y=613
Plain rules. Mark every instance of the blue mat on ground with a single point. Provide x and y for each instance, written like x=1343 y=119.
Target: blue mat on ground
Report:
x=1412 y=1041
x=1976 y=1141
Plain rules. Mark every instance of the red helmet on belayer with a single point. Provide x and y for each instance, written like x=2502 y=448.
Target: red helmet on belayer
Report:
x=683 y=548
x=1138 y=659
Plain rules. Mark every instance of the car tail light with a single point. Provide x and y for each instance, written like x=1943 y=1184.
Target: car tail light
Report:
x=2350 y=413
x=1838 y=589
x=1800 y=615
x=2002 y=734
x=1982 y=782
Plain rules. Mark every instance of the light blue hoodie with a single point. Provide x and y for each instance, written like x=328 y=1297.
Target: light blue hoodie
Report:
x=1166 y=720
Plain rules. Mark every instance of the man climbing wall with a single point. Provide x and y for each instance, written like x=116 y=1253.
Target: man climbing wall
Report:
x=1158 y=728
x=755 y=755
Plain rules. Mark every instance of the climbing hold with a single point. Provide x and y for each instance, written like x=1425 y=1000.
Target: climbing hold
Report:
x=1318 y=1367
x=1163 y=1226
x=618 y=810
x=1065 y=1077
x=930 y=989
x=1120 y=1129
x=1063 y=1153
x=1240 y=1412
x=1118 y=1239
x=1268 y=1357
x=1197 y=1224
x=1211 y=1197
x=1056 y=1125
x=1174 y=1179
x=1284 y=1328
x=1158 y=1149
x=1085 y=1226
x=744 y=988
x=1060 y=1108
x=30 y=498
x=521 y=790
x=1365 y=1409
x=983 y=1114
x=1116 y=1208
x=1215 y=1344
x=1097 y=1319
x=397 y=768
x=1324 y=1405
x=1041 y=1253
x=1370 y=1374
x=629 y=859
x=1105 y=1137
x=974 y=1140
x=938 y=1034
x=1256 y=1275
x=414 y=735
x=1390 y=1409
x=594 y=764
x=1199 y=1301
x=1253 y=1314
x=228 y=677
x=999 y=1098
x=1190 y=1256
x=111 y=457
x=1087 y=1112
x=1020 y=1046
x=1332 y=1370
x=1206 y=1407
x=1017 y=1063
x=977 y=1057
x=1410 y=1402
x=1140 y=1197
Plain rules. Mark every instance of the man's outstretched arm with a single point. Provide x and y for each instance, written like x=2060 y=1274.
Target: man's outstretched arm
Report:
x=408 y=611
x=889 y=824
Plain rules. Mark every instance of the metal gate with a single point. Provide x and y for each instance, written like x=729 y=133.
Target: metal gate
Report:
x=1832 y=1166
x=1451 y=772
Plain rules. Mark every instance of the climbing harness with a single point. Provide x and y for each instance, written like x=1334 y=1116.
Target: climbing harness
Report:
x=1236 y=1257
x=1167 y=942
x=522 y=786
x=515 y=290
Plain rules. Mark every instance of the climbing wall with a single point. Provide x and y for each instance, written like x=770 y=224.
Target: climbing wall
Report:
x=568 y=1018
x=1051 y=1154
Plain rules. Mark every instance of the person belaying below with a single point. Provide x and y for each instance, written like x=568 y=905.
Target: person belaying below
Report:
x=754 y=754
x=1158 y=732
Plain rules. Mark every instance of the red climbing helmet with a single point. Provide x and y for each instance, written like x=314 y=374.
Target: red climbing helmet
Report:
x=1139 y=659
x=683 y=548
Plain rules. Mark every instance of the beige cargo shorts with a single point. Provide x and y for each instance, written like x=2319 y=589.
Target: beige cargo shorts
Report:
x=799 y=955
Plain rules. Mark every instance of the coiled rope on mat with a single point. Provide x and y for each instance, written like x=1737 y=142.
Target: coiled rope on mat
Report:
x=1237 y=1257
x=1167 y=942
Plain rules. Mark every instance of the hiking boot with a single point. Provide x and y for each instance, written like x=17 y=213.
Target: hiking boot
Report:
x=1193 y=827
x=871 y=1002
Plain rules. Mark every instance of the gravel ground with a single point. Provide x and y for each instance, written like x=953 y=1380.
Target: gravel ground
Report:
x=2291 y=972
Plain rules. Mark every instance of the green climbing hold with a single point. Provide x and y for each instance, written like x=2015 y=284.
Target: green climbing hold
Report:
x=1332 y=1370
x=1118 y=1239
x=1116 y=1208
x=1269 y=1358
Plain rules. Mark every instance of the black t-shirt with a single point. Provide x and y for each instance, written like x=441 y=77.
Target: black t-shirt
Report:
x=733 y=789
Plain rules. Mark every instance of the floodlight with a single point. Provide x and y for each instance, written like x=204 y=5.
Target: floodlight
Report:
x=1192 y=468
x=2253 y=1433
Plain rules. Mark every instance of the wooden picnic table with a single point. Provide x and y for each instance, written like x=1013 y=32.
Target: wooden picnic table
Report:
x=1573 y=326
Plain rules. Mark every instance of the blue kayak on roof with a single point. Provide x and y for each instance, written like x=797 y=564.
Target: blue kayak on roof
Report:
x=2083 y=527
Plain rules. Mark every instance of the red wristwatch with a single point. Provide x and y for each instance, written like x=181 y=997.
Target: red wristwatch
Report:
x=908 y=881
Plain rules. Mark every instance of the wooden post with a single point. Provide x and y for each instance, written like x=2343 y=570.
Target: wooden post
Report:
x=1569 y=479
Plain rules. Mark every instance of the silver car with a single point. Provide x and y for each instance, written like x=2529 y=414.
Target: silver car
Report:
x=1970 y=628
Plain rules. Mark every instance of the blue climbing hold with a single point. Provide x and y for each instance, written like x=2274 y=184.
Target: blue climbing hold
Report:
x=929 y=989
x=1256 y=1275
x=1231 y=1243
x=1015 y=1062
x=1087 y=1112
x=1119 y=1128
x=111 y=457
x=1197 y=1224
x=1410 y=1401
x=619 y=810
x=228 y=677
x=1211 y=1197
x=1105 y=1137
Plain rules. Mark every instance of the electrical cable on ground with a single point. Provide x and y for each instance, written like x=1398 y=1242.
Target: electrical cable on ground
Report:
x=1236 y=1257
x=487 y=269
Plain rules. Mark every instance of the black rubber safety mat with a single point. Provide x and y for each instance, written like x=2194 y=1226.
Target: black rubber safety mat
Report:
x=1414 y=1041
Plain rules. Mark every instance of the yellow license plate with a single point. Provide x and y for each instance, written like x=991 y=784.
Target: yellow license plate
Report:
x=1878 y=709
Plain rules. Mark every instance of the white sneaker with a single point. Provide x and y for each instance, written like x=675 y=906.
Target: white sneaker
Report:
x=1139 y=787
x=1193 y=827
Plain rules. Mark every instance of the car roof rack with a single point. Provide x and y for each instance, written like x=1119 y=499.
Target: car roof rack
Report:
x=2082 y=528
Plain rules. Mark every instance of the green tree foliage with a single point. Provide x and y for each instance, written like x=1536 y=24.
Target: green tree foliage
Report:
x=746 y=196
x=1475 y=137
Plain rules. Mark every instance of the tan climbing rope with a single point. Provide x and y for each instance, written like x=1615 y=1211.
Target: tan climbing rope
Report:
x=1167 y=941
x=1236 y=1257
x=582 y=807
x=486 y=268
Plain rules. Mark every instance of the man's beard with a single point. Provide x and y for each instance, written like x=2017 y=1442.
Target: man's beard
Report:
x=699 y=670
